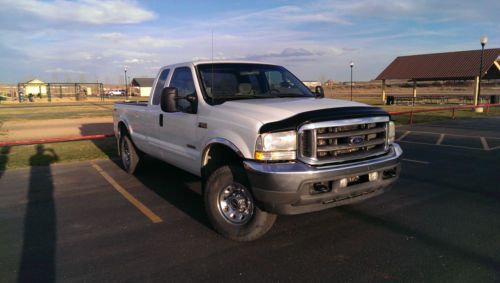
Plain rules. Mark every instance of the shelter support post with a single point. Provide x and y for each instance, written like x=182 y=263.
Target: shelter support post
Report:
x=476 y=90
x=414 y=91
x=49 y=94
x=383 y=92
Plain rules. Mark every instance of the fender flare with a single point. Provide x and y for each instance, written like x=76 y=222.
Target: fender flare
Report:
x=222 y=141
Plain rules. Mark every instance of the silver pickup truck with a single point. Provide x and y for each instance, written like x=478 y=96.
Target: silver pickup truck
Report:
x=262 y=142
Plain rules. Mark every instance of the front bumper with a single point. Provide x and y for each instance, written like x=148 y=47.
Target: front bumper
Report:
x=289 y=188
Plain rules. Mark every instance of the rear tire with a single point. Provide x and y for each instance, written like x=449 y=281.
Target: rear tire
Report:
x=130 y=155
x=231 y=208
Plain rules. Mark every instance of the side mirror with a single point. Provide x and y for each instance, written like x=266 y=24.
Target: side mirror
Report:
x=320 y=93
x=168 y=99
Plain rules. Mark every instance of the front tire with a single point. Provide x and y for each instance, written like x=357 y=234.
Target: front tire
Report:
x=231 y=208
x=129 y=154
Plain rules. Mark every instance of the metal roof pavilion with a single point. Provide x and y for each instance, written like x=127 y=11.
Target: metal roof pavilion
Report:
x=459 y=65
x=443 y=66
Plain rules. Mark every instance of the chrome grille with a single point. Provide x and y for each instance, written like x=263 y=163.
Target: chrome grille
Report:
x=343 y=140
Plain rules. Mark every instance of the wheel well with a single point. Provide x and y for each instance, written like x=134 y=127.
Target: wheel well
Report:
x=122 y=128
x=217 y=155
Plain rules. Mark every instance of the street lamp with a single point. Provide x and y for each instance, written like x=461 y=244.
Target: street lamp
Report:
x=351 y=65
x=126 y=90
x=483 y=41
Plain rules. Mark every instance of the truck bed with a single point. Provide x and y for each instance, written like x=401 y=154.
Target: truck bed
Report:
x=133 y=103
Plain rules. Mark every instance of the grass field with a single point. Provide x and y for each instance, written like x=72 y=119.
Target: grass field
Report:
x=45 y=154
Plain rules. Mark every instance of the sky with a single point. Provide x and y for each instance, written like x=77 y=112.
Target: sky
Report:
x=93 y=40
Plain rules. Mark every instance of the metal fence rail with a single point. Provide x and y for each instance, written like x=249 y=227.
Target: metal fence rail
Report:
x=452 y=109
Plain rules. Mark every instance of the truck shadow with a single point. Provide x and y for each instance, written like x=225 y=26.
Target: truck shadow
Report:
x=106 y=145
x=96 y=129
x=177 y=187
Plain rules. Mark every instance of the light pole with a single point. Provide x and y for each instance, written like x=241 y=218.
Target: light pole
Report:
x=483 y=41
x=351 y=65
x=126 y=90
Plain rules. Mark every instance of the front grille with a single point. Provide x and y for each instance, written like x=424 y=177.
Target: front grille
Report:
x=343 y=140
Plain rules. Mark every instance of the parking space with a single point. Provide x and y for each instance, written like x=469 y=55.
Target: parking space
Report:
x=480 y=134
x=88 y=221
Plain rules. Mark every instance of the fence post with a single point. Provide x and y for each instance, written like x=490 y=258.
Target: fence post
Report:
x=487 y=109
x=453 y=113
x=411 y=117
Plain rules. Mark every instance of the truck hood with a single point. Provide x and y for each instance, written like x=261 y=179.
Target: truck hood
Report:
x=276 y=109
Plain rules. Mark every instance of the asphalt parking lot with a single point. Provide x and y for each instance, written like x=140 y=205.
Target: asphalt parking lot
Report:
x=91 y=221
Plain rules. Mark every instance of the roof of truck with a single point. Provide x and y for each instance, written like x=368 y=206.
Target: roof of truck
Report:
x=200 y=62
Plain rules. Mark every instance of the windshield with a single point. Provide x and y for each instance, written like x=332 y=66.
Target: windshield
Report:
x=231 y=81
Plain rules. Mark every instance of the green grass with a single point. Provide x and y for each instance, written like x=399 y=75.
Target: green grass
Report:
x=45 y=154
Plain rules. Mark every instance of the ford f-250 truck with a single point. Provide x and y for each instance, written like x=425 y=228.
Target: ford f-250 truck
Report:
x=261 y=141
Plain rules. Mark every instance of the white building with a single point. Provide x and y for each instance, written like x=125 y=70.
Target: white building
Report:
x=142 y=86
x=34 y=87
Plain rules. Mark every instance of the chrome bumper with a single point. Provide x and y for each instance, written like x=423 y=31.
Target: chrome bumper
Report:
x=286 y=188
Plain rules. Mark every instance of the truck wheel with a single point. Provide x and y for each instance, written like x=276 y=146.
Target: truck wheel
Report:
x=130 y=155
x=231 y=208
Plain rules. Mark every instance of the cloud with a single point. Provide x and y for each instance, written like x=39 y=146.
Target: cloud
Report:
x=111 y=36
x=96 y=12
x=138 y=61
x=296 y=53
x=61 y=70
x=375 y=7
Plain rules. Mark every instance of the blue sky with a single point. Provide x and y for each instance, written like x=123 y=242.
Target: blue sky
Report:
x=92 y=40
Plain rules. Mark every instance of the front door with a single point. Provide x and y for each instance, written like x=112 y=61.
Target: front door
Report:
x=179 y=142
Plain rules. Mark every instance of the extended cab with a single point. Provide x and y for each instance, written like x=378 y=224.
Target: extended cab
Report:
x=262 y=142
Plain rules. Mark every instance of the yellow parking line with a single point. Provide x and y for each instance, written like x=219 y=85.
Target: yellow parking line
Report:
x=404 y=135
x=440 y=140
x=146 y=211
x=484 y=143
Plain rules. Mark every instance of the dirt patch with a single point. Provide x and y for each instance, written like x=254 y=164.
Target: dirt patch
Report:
x=55 y=128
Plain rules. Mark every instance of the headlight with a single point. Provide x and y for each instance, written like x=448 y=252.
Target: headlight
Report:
x=276 y=146
x=391 y=133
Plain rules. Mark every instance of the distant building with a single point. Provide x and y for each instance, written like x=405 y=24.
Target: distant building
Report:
x=312 y=84
x=34 y=87
x=142 y=85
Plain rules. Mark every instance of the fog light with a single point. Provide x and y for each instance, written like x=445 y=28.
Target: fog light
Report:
x=373 y=176
x=343 y=183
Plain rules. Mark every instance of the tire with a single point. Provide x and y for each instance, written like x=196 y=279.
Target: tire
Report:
x=231 y=208
x=130 y=155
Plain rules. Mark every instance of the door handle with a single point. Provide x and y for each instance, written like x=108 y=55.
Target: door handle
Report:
x=160 y=120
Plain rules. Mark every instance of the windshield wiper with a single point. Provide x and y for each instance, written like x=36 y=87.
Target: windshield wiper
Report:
x=238 y=97
x=291 y=95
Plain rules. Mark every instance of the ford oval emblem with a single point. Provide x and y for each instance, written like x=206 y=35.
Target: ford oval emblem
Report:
x=356 y=140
